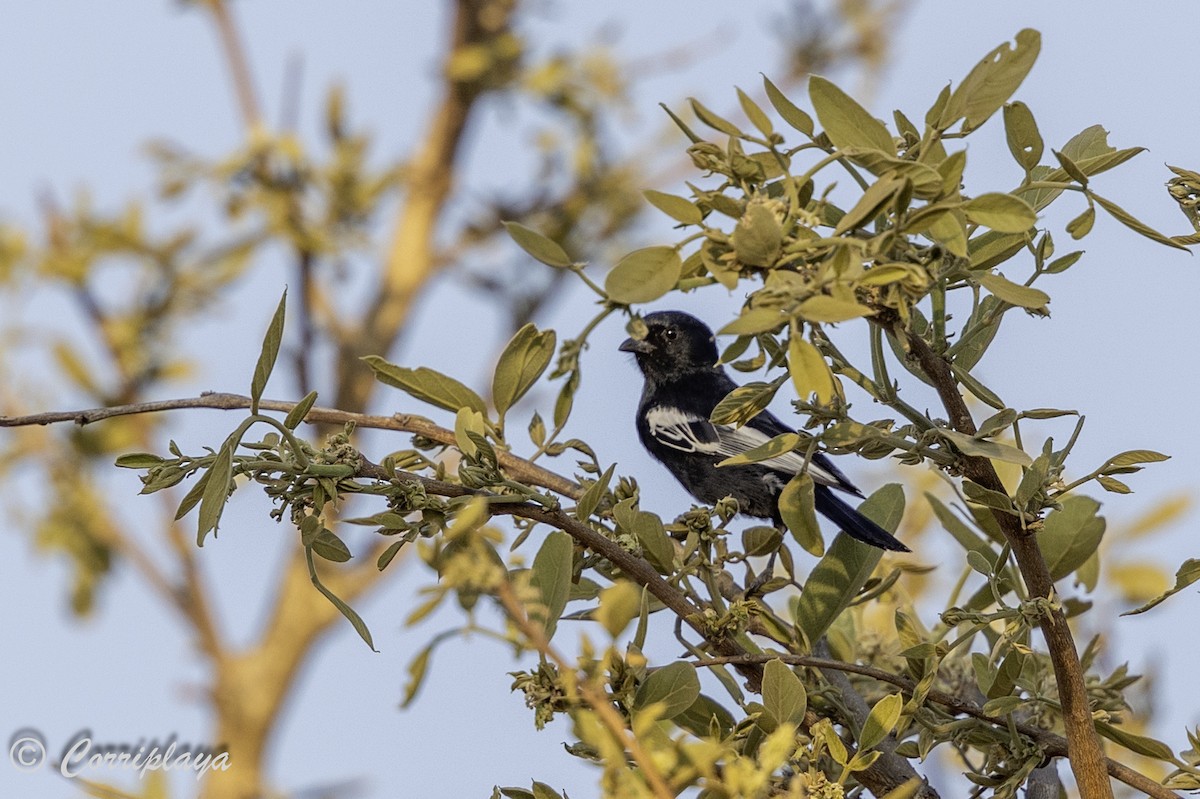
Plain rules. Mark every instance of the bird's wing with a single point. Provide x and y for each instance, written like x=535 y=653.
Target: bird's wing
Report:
x=692 y=433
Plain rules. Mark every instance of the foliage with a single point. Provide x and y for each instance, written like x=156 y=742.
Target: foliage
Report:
x=801 y=692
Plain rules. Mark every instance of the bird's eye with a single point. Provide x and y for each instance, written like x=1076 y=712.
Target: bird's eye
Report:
x=670 y=333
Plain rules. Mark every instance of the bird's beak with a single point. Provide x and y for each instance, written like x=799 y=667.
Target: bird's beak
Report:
x=636 y=345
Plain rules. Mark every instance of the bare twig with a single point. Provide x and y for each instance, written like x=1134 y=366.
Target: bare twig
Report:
x=518 y=468
x=239 y=65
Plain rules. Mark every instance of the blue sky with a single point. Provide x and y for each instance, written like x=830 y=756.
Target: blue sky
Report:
x=85 y=85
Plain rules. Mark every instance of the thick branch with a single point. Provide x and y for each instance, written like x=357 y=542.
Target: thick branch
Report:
x=1086 y=756
x=411 y=259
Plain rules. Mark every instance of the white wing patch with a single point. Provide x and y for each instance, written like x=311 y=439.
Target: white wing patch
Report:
x=682 y=431
x=688 y=432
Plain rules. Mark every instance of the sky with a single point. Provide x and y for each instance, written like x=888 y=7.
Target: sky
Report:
x=85 y=85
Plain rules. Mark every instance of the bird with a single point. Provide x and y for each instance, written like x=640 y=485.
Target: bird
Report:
x=683 y=384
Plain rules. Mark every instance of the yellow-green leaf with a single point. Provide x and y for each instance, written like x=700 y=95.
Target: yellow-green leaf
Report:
x=523 y=361
x=1013 y=293
x=426 y=385
x=823 y=308
x=644 y=275
x=270 y=351
x=810 y=374
x=796 y=508
x=791 y=114
x=678 y=208
x=758 y=237
x=991 y=82
x=784 y=697
x=537 y=245
x=1001 y=212
x=846 y=122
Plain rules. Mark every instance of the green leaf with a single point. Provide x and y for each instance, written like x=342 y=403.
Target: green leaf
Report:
x=877 y=195
x=758 y=237
x=389 y=554
x=1136 y=225
x=783 y=695
x=676 y=686
x=1013 y=293
x=678 y=208
x=846 y=122
x=755 y=320
x=270 y=351
x=590 y=499
x=644 y=275
x=779 y=445
x=1024 y=140
x=217 y=484
x=715 y=121
x=744 y=403
x=619 y=603
x=1187 y=574
x=138 y=460
x=969 y=445
x=788 y=110
x=417 y=670
x=755 y=114
x=551 y=576
x=997 y=423
x=523 y=361
x=426 y=385
x=991 y=82
x=355 y=620
x=992 y=248
x=881 y=721
x=537 y=245
x=1081 y=225
x=656 y=544
x=1071 y=534
x=329 y=546
x=300 y=410
x=810 y=374
x=798 y=511
x=846 y=567
x=948 y=229
x=1134 y=456
x=823 y=308
x=1141 y=744
x=1003 y=213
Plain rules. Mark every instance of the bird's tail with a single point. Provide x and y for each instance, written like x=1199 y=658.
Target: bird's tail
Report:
x=853 y=522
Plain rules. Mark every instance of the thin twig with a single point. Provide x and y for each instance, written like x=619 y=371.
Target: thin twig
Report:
x=519 y=468
x=239 y=65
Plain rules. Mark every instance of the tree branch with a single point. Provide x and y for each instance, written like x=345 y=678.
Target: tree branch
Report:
x=1053 y=745
x=1086 y=757
x=411 y=259
x=239 y=66
x=519 y=468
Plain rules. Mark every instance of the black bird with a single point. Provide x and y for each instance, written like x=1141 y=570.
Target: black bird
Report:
x=678 y=358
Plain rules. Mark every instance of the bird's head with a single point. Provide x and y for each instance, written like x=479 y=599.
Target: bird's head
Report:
x=675 y=344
